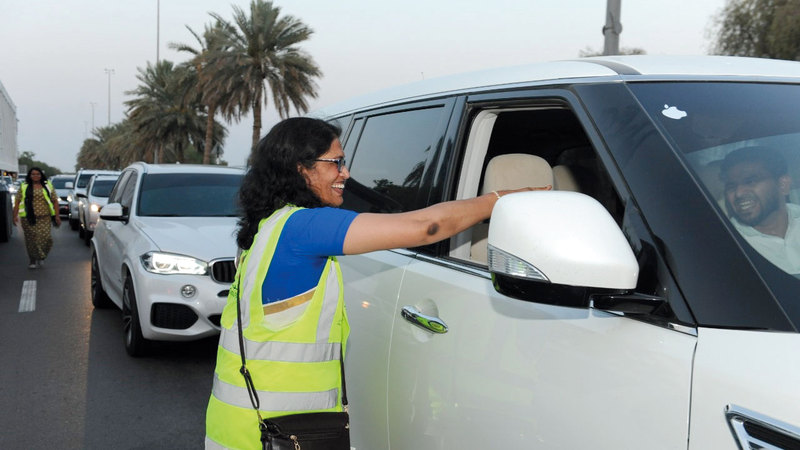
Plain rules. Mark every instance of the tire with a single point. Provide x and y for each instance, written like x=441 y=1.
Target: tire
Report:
x=135 y=343
x=81 y=233
x=100 y=299
x=74 y=224
x=87 y=237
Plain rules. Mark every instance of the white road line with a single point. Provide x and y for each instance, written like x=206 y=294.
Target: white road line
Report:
x=27 y=301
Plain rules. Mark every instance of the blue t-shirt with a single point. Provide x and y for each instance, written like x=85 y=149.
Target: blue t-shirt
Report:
x=309 y=237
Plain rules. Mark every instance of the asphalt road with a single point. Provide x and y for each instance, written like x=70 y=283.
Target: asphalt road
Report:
x=65 y=379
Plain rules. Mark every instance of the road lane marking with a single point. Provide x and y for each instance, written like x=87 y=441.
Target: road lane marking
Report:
x=27 y=301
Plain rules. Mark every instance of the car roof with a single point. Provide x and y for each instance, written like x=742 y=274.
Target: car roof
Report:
x=610 y=68
x=186 y=168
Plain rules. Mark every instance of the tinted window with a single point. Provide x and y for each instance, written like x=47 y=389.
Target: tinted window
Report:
x=102 y=188
x=116 y=192
x=83 y=180
x=189 y=195
x=389 y=160
x=59 y=182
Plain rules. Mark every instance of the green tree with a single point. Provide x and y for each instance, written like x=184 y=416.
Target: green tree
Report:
x=28 y=159
x=216 y=100
x=263 y=52
x=758 y=28
x=164 y=113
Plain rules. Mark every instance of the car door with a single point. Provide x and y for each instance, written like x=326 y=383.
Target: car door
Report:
x=112 y=236
x=512 y=373
x=390 y=152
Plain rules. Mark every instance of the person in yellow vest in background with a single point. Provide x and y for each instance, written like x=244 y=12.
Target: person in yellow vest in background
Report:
x=37 y=204
x=288 y=281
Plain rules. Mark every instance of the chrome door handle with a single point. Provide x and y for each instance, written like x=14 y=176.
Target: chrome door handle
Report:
x=423 y=321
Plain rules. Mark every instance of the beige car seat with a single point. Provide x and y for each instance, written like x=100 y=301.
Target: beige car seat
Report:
x=511 y=171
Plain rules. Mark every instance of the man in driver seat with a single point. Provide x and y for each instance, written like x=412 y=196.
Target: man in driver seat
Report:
x=756 y=187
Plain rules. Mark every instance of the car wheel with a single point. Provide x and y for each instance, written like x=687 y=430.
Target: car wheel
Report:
x=81 y=233
x=135 y=343
x=99 y=297
x=74 y=224
x=87 y=237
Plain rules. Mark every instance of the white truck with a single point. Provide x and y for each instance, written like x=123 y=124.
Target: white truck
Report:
x=8 y=158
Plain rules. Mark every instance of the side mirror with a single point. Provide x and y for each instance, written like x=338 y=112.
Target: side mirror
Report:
x=563 y=248
x=69 y=185
x=114 y=212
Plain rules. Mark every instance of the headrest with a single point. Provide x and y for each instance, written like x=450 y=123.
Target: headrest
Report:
x=516 y=170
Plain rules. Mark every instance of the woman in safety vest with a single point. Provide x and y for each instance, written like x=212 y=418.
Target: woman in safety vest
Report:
x=37 y=204
x=290 y=232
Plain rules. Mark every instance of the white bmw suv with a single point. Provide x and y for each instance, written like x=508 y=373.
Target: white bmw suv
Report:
x=163 y=251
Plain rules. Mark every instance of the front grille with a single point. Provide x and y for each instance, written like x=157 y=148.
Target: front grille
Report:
x=223 y=271
x=172 y=316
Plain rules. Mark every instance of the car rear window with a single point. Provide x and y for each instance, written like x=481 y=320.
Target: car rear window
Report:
x=189 y=195
x=60 y=183
x=102 y=188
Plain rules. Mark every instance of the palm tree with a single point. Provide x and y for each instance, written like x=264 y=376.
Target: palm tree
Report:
x=211 y=43
x=263 y=48
x=164 y=114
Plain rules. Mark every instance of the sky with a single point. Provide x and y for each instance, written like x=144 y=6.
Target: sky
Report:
x=54 y=54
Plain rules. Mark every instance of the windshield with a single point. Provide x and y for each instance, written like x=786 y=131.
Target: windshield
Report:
x=83 y=180
x=60 y=182
x=742 y=141
x=189 y=195
x=102 y=188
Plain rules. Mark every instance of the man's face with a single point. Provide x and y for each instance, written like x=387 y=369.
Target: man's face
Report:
x=752 y=193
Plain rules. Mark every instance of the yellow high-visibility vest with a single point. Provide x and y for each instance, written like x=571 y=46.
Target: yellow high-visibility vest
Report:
x=295 y=369
x=24 y=189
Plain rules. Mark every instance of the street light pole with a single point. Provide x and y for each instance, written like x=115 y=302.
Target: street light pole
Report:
x=109 y=72
x=158 y=28
x=613 y=28
x=93 y=105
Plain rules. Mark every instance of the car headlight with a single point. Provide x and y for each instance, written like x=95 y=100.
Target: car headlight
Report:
x=94 y=207
x=69 y=198
x=169 y=263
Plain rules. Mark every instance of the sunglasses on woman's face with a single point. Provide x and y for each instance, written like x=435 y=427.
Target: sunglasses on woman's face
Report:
x=340 y=162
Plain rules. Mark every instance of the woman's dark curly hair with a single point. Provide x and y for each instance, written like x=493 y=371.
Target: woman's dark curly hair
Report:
x=273 y=179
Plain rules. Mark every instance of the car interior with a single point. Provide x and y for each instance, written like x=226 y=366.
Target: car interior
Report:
x=535 y=146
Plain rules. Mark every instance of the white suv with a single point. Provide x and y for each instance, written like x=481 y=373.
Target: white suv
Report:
x=79 y=187
x=626 y=309
x=163 y=251
x=90 y=204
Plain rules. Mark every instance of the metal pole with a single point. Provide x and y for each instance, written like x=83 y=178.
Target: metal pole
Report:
x=613 y=28
x=158 y=28
x=93 y=105
x=109 y=72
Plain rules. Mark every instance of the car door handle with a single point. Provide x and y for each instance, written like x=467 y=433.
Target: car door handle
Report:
x=426 y=322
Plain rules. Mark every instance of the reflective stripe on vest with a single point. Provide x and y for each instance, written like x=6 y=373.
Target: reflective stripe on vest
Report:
x=24 y=188
x=275 y=401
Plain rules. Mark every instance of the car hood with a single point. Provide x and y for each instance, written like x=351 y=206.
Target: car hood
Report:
x=205 y=238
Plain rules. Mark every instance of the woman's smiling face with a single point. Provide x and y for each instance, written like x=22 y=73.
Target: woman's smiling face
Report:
x=324 y=177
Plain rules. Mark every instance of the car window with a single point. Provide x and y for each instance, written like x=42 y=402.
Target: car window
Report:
x=83 y=180
x=189 y=195
x=116 y=191
x=126 y=193
x=552 y=142
x=389 y=159
x=746 y=158
x=102 y=188
x=60 y=182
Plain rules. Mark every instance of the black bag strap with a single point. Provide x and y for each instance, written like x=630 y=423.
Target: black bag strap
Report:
x=248 y=380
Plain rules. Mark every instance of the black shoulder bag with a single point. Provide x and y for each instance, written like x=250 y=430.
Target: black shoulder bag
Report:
x=305 y=431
